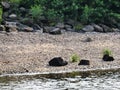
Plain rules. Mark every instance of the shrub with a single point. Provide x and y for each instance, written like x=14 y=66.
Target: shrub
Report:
x=75 y=58
x=107 y=52
x=1 y=11
x=36 y=11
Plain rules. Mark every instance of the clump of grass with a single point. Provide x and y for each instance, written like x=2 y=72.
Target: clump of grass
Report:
x=75 y=58
x=107 y=52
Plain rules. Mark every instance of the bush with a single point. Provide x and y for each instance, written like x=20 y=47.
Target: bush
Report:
x=107 y=52
x=36 y=11
x=84 y=11
x=75 y=58
x=1 y=12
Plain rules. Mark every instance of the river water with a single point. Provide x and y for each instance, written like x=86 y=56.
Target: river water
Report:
x=103 y=82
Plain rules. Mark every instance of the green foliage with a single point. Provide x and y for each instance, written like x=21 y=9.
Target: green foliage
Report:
x=15 y=1
x=78 y=27
x=36 y=11
x=84 y=11
x=75 y=58
x=1 y=11
x=107 y=52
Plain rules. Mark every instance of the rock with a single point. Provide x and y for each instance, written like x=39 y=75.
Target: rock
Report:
x=11 y=26
x=68 y=27
x=28 y=29
x=22 y=27
x=116 y=30
x=88 y=39
x=56 y=31
x=11 y=29
x=97 y=28
x=13 y=16
x=22 y=9
x=57 y=61
x=70 y=22
x=47 y=29
x=106 y=28
x=84 y=62
x=60 y=25
x=107 y=58
x=5 y=5
x=2 y=28
x=88 y=28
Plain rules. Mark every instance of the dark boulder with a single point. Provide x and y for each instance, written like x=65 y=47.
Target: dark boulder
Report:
x=107 y=58
x=106 y=28
x=84 y=62
x=57 y=61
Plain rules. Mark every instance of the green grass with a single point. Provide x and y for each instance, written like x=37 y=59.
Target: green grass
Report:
x=107 y=52
x=75 y=58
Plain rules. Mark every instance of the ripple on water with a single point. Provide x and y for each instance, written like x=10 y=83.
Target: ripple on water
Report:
x=106 y=82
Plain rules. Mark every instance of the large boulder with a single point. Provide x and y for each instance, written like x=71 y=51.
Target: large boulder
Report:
x=88 y=28
x=107 y=58
x=57 y=61
x=84 y=62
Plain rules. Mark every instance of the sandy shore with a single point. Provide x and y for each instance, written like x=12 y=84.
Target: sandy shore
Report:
x=30 y=52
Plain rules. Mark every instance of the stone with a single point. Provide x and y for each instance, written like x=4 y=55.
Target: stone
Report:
x=11 y=29
x=60 y=25
x=116 y=29
x=55 y=31
x=5 y=5
x=28 y=29
x=108 y=58
x=47 y=29
x=2 y=28
x=97 y=28
x=106 y=28
x=57 y=61
x=22 y=27
x=88 y=39
x=88 y=28
x=84 y=62
x=13 y=16
x=11 y=26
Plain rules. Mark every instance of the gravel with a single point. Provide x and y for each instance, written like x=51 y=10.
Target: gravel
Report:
x=22 y=52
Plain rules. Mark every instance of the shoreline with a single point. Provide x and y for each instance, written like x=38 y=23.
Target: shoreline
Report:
x=21 y=52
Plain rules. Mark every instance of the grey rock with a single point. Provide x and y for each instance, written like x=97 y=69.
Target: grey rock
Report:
x=97 y=28
x=60 y=25
x=2 y=28
x=13 y=16
x=47 y=29
x=5 y=5
x=88 y=28
x=56 y=31
x=116 y=29
x=23 y=27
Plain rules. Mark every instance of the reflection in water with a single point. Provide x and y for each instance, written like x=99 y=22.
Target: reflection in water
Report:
x=104 y=82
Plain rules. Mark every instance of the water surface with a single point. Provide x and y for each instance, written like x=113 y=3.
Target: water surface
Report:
x=103 y=82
